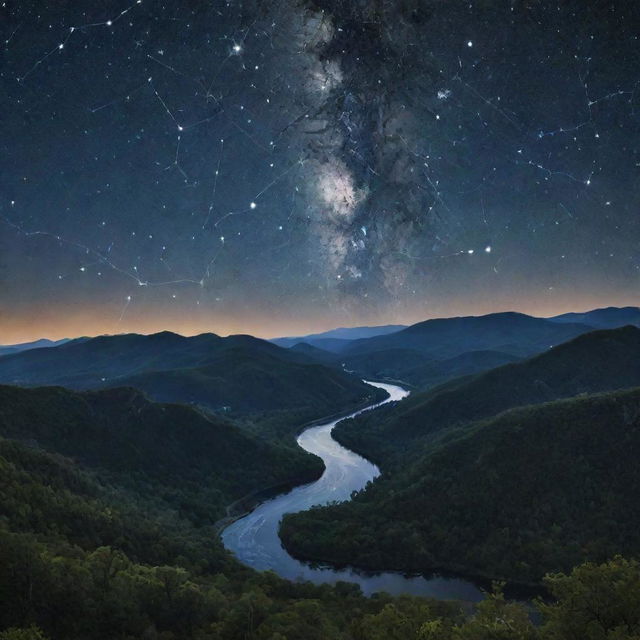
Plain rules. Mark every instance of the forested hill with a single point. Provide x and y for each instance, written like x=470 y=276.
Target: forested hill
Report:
x=106 y=506
x=238 y=374
x=532 y=490
x=161 y=449
x=598 y=361
x=442 y=338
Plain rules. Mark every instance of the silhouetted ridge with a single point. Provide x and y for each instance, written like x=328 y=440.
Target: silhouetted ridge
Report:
x=239 y=373
x=598 y=361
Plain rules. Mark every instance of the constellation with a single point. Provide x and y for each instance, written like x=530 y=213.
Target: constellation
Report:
x=205 y=137
x=61 y=45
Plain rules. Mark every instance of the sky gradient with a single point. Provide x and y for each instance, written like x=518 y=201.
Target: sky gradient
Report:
x=290 y=166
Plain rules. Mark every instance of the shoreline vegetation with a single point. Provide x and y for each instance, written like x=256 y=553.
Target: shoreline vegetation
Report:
x=509 y=498
x=109 y=504
x=246 y=504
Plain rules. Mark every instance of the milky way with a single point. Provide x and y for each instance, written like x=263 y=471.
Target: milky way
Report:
x=257 y=166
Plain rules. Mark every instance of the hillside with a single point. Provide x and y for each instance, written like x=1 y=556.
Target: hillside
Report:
x=240 y=380
x=241 y=374
x=164 y=577
x=513 y=333
x=338 y=337
x=607 y=318
x=598 y=361
x=106 y=507
x=420 y=370
x=532 y=490
x=161 y=446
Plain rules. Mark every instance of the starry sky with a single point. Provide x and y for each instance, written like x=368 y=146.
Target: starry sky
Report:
x=285 y=166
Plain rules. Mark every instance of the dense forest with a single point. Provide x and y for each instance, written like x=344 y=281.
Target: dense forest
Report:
x=156 y=448
x=532 y=490
x=82 y=557
x=603 y=360
x=111 y=505
x=237 y=375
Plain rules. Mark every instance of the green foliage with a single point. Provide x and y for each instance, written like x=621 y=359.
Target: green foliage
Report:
x=594 y=602
x=241 y=374
x=30 y=633
x=176 y=455
x=533 y=490
x=107 y=506
x=592 y=363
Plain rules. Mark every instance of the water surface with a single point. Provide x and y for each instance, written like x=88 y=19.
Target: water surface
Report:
x=254 y=538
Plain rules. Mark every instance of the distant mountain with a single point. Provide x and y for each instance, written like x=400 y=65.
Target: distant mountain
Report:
x=512 y=333
x=434 y=351
x=336 y=339
x=535 y=489
x=316 y=353
x=607 y=318
x=243 y=380
x=240 y=373
x=413 y=367
x=602 y=360
x=37 y=344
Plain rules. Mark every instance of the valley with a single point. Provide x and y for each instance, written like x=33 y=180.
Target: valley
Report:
x=254 y=538
x=124 y=470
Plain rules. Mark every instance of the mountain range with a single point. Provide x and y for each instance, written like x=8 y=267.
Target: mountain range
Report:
x=506 y=474
x=238 y=374
x=602 y=360
x=515 y=455
x=606 y=318
x=429 y=353
x=36 y=344
x=335 y=339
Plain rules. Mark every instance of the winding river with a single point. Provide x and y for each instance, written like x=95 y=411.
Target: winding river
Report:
x=254 y=538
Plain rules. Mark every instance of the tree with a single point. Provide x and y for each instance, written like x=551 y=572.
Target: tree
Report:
x=29 y=633
x=594 y=602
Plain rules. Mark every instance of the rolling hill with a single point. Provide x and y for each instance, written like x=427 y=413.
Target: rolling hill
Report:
x=239 y=373
x=598 y=361
x=606 y=318
x=121 y=433
x=432 y=352
x=535 y=489
x=338 y=338
x=420 y=370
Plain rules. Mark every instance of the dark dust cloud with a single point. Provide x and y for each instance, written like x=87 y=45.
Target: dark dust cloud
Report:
x=247 y=165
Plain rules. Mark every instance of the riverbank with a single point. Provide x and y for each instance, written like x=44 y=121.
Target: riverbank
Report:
x=254 y=539
x=246 y=504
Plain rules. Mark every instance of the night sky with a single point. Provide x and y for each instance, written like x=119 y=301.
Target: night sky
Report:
x=283 y=166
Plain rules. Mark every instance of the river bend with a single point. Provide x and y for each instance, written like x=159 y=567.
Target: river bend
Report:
x=254 y=539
